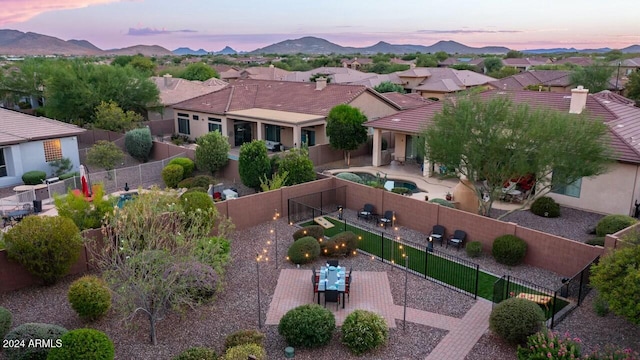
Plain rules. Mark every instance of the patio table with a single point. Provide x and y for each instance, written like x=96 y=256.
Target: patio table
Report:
x=332 y=278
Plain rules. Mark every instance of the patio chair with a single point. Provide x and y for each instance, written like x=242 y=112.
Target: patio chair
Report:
x=366 y=212
x=333 y=262
x=387 y=219
x=332 y=296
x=437 y=233
x=347 y=287
x=457 y=239
x=315 y=279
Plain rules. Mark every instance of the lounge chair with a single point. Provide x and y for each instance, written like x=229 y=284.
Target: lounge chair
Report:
x=437 y=233
x=457 y=239
x=366 y=212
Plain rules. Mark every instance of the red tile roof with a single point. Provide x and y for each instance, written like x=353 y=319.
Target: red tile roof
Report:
x=406 y=101
x=537 y=77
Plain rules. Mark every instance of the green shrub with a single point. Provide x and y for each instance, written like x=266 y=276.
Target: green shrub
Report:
x=34 y=177
x=315 y=231
x=213 y=251
x=85 y=214
x=549 y=345
x=33 y=331
x=401 y=190
x=186 y=183
x=242 y=352
x=297 y=163
x=198 y=281
x=46 y=246
x=68 y=175
x=474 y=249
x=196 y=189
x=599 y=241
x=350 y=177
x=363 y=331
x=600 y=306
x=515 y=319
x=186 y=163
x=244 y=337
x=212 y=152
x=6 y=320
x=442 y=202
x=172 y=175
x=304 y=250
x=104 y=154
x=89 y=297
x=253 y=163
x=342 y=244
x=611 y=224
x=203 y=181
x=545 y=206
x=197 y=202
x=376 y=184
x=138 y=143
x=197 y=353
x=60 y=166
x=83 y=344
x=509 y=250
x=307 y=326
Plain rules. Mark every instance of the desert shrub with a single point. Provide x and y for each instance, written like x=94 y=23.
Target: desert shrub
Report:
x=186 y=183
x=549 y=345
x=297 y=163
x=203 y=181
x=104 y=154
x=46 y=246
x=213 y=251
x=599 y=241
x=60 y=166
x=32 y=331
x=138 y=143
x=244 y=337
x=350 y=177
x=186 y=163
x=199 y=281
x=315 y=231
x=600 y=306
x=609 y=352
x=242 y=352
x=545 y=206
x=307 y=326
x=68 y=175
x=197 y=353
x=509 y=249
x=196 y=189
x=401 y=190
x=253 y=163
x=212 y=152
x=85 y=214
x=342 y=244
x=34 y=177
x=304 y=250
x=515 y=319
x=196 y=200
x=363 y=331
x=89 y=297
x=474 y=249
x=83 y=344
x=442 y=202
x=611 y=224
x=172 y=175
x=6 y=320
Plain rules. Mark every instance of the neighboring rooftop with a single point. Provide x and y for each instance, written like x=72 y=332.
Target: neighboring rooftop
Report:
x=407 y=101
x=17 y=127
x=557 y=78
x=174 y=90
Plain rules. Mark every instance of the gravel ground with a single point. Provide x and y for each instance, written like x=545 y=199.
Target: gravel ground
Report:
x=235 y=309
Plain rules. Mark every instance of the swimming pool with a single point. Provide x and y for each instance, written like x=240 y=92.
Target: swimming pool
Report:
x=390 y=183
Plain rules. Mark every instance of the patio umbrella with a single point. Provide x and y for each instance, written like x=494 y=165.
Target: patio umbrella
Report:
x=84 y=180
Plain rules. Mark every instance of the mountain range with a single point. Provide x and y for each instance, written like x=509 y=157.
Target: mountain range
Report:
x=14 y=42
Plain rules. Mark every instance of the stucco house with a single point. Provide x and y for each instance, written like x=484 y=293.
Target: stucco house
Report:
x=436 y=83
x=28 y=143
x=174 y=90
x=282 y=112
x=611 y=193
x=542 y=80
x=524 y=64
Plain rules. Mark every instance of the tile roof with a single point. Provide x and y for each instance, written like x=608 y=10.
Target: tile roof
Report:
x=625 y=139
x=635 y=62
x=406 y=101
x=525 y=61
x=17 y=127
x=464 y=61
x=174 y=90
x=533 y=77
x=449 y=80
x=338 y=75
x=264 y=73
x=289 y=96
x=575 y=60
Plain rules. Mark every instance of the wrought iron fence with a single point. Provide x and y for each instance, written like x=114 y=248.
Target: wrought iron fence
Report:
x=575 y=289
x=316 y=204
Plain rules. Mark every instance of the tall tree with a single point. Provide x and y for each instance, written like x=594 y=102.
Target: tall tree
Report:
x=26 y=80
x=212 y=152
x=109 y=116
x=490 y=141
x=297 y=166
x=345 y=130
x=594 y=77
x=388 y=86
x=511 y=54
x=492 y=64
x=198 y=71
x=253 y=163
x=633 y=86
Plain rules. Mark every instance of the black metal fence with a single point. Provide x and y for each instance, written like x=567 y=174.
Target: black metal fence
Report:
x=575 y=290
x=316 y=204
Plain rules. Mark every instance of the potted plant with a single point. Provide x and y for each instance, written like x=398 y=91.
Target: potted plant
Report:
x=448 y=197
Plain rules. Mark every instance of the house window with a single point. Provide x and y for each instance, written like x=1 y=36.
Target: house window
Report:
x=3 y=164
x=196 y=117
x=183 y=124
x=52 y=150
x=572 y=189
x=215 y=127
x=272 y=132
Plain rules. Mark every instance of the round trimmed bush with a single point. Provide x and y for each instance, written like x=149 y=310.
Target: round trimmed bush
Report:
x=442 y=202
x=509 y=250
x=611 y=224
x=186 y=163
x=47 y=246
x=172 y=175
x=198 y=280
x=546 y=207
x=242 y=352
x=34 y=177
x=515 y=319
x=315 y=231
x=307 y=326
x=350 y=177
x=203 y=181
x=6 y=320
x=244 y=337
x=197 y=353
x=196 y=200
x=474 y=249
x=89 y=297
x=363 y=331
x=304 y=250
x=83 y=344
x=33 y=331
x=186 y=183
x=138 y=143
x=342 y=244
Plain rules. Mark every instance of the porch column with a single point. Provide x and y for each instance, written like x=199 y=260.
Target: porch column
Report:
x=377 y=147
x=260 y=128
x=297 y=136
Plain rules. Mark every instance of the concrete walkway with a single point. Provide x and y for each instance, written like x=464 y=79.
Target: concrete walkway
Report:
x=373 y=293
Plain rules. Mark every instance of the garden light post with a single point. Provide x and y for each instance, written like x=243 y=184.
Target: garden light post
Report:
x=274 y=231
x=430 y=244
x=258 y=257
x=406 y=281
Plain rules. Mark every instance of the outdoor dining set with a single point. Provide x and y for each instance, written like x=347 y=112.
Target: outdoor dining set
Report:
x=332 y=280
x=15 y=215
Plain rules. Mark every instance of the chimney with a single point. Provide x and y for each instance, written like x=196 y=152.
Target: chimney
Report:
x=578 y=100
x=167 y=79
x=321 y=83
x=412 y=66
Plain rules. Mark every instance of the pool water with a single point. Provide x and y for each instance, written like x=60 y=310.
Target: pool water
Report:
x=126 y=197
x=390 y=183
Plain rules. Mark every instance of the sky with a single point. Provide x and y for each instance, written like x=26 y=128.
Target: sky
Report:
x=246 y=25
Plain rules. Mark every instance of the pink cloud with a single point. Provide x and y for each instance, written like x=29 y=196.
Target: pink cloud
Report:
x=15 y=11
